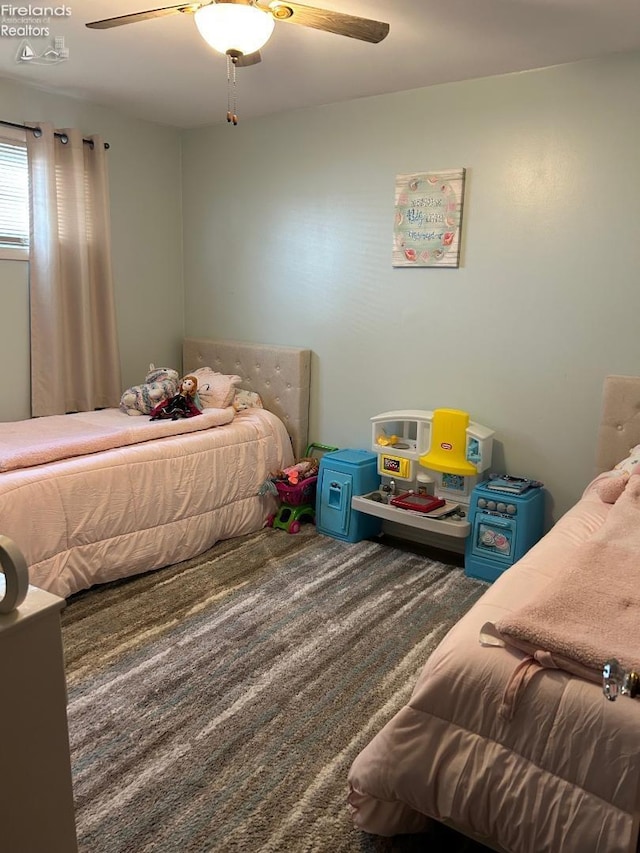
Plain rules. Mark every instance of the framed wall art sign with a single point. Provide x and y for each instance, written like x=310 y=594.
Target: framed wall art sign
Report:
x=428 y=219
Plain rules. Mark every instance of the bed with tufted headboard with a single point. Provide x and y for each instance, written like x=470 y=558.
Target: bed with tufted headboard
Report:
x=98 y=496
x=508 y=736
x=619 y=429
x=279 y=374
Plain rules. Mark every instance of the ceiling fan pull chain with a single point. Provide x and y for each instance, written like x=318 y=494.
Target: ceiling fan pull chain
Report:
x=231 y=90
x=228 y=88
x=234 y=117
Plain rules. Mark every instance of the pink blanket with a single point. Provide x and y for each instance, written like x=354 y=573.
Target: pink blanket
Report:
x=589 y=612
x=24 y=444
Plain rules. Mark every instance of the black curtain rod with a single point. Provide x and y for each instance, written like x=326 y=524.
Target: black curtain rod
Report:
x=61 y=136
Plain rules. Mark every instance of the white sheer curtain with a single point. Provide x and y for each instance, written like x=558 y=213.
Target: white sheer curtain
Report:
x=75 y=364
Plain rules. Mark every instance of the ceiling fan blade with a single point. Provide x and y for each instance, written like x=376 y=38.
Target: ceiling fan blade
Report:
x=332 y=22
x=248 y=59
x=107 y=23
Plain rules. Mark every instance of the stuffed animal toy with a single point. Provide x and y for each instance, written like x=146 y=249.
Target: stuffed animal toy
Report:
x=159 y=384
x=181 y=405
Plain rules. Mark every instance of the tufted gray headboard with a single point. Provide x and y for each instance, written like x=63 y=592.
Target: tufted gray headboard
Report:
x=620 y=422
x=281 y=375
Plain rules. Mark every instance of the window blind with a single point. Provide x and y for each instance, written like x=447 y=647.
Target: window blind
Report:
x=14 y=195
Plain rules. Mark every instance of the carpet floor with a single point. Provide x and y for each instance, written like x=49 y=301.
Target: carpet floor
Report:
x=217 y=705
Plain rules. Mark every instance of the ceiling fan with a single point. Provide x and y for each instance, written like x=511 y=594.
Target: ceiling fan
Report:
x=239 y=28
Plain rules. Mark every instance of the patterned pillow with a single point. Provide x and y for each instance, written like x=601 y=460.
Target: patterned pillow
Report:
x=247 y=400
x=216 y=390
x=632 y=461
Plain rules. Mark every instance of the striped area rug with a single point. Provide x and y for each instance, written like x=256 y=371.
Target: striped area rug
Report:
x=216 y=705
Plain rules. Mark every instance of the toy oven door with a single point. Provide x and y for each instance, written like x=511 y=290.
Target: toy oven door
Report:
x=493 y=537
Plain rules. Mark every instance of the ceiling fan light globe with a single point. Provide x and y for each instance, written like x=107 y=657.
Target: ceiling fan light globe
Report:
x=230 y=27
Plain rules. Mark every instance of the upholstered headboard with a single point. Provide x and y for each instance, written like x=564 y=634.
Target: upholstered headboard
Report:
x=280 y=375
x=620 y=422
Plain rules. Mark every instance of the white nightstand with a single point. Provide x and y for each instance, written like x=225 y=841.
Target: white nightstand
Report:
x=36 y=797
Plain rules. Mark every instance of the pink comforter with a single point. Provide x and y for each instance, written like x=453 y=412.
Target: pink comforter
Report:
x=561 y=776
x=110 y=514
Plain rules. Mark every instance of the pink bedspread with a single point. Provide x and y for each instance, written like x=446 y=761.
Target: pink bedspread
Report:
x=560 y=776
x=40 y=440
x=106 y=515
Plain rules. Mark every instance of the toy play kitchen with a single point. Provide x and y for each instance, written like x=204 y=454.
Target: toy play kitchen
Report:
x=429 y=463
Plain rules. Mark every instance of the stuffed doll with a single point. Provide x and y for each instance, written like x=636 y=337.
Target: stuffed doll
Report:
x=159 y=384
x=292 y=476
x=300 y=471
x=181 y=405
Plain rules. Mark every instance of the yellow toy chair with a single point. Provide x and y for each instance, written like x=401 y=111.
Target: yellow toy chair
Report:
x=448 y=450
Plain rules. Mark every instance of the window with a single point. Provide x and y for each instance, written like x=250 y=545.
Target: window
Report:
x=14 y=198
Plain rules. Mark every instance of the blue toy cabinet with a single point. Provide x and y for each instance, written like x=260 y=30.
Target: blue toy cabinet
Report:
x=342 y=475
x=504 y=527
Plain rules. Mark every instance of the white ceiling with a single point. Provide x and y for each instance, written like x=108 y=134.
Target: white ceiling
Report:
x=161 y=70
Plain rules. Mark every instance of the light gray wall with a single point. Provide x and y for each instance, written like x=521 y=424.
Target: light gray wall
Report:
x=146 y=216
x=287 y=239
